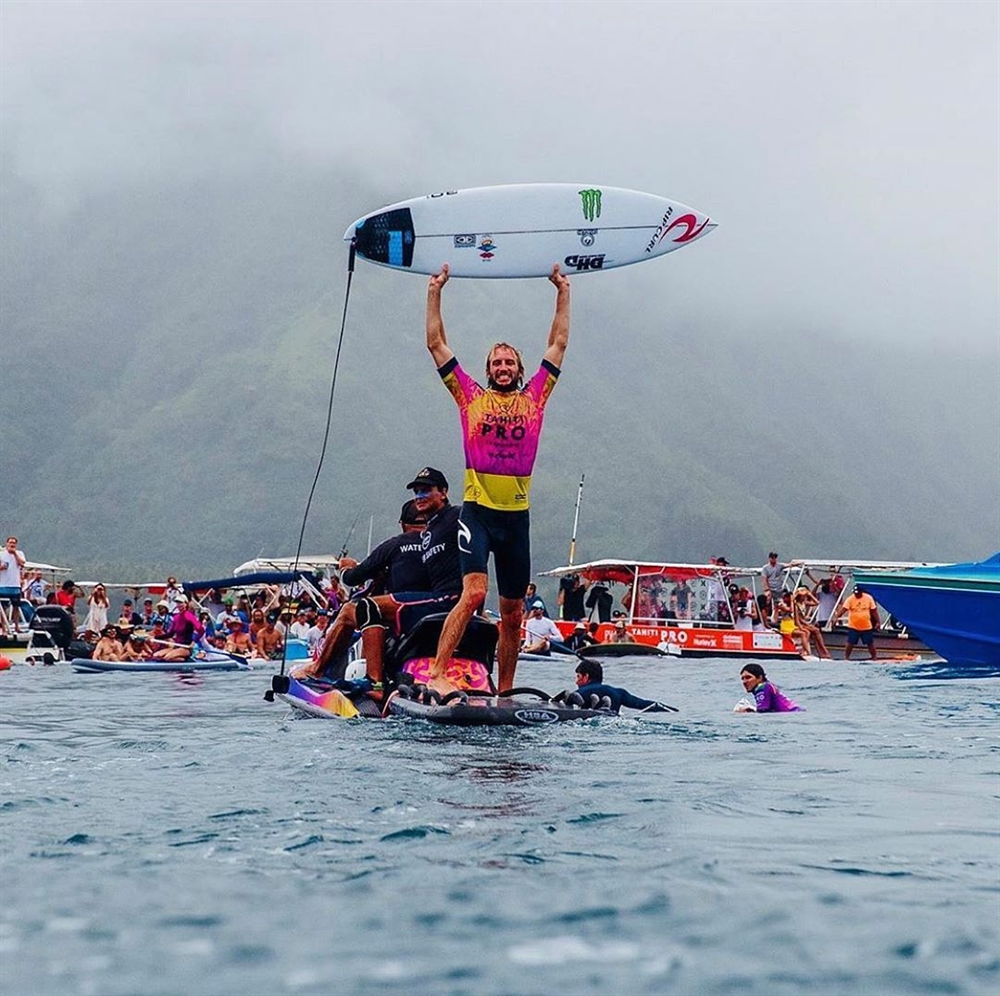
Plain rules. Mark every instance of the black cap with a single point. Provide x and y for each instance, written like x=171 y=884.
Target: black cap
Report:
x=431 y=478
x=410 y=515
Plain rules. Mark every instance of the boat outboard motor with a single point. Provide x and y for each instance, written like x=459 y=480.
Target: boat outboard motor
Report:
x=56 y=622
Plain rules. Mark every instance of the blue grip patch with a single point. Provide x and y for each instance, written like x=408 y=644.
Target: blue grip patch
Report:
x=395 y=248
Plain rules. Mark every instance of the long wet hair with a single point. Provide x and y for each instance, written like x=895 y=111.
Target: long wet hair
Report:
x=520 y=364
x=755 y=669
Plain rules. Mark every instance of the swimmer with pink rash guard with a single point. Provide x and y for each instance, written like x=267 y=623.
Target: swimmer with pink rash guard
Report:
x=501 y=426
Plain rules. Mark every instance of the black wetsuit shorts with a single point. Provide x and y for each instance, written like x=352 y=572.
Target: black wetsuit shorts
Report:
x=482 y=531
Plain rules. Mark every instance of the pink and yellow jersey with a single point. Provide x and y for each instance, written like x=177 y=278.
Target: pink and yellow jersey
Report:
x=501 y=433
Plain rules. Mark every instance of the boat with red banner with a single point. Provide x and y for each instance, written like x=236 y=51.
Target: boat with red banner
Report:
x=686 y=610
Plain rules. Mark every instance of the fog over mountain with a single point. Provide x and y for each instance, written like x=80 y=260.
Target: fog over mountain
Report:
x=821 y=375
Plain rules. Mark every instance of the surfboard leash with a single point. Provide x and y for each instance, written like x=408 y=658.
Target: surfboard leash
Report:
x=352 y=253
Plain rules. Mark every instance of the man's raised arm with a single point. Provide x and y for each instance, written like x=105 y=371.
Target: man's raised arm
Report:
x=437 y=345
x=559 y=333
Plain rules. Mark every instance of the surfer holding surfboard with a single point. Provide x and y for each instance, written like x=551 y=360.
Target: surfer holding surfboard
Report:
x=501 y=427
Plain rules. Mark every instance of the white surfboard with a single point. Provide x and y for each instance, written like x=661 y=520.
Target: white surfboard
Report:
x=521 y=230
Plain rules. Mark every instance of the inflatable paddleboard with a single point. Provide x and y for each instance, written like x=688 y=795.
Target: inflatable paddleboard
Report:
x=521 y=230
x=521 y=708
x=83 y=665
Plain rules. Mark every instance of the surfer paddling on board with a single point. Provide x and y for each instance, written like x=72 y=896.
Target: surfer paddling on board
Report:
x=501 y=426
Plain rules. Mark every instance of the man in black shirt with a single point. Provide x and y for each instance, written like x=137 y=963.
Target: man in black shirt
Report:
x=395 y=565
x=433 y=570
x=570 y=599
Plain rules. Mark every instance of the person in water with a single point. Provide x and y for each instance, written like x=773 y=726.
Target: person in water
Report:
x=590 y=681
x=767 y=696
x=501 y=425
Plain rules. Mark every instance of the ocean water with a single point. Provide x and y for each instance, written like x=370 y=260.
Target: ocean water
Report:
x=168 y=836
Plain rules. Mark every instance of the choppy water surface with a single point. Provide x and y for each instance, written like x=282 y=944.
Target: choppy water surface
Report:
x=164 y=837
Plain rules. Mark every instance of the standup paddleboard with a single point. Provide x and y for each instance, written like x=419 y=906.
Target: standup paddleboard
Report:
x=521 y=230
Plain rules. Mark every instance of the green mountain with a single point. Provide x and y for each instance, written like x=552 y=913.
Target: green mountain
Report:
x=167 y=355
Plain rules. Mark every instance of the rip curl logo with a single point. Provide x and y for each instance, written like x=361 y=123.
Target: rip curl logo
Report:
x=587 y=236
x=464 y=538
x=691 y=228
x=591 y=202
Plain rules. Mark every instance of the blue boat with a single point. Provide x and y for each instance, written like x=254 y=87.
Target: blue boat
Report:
x=954 y=609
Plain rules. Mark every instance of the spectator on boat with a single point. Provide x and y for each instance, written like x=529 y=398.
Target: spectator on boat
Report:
x=317 y=632
x=530 y=597
x=767 y=696
x=541 y=633
x=136 y=647
x=108 y=648
x=590 y=685
x=803 y=604
x=763 y=616
x=36 y=588
x=173 y=594
x=681 y=599
x=773 y=574
x=97 y=615
x=785 y=615
x=213 y=602
x=243 y=607
x=581 y=638
x=826 y=601
x=162 y=612
x=284 y=621
x=157 y=635
x=716 y=598
x=600 y=601
x=207 y=623
x=256 y=623
x=66 y=597
x=147 y=615
x=572 y=591
x=594 y=630
x=238 y=641
x=299 y=628
x=12 y=561
x=746 y=611
x=862 y=621
x=269 y=638
x=225 y=618
x=129 y=613
x=185 y=628
x=620 y=634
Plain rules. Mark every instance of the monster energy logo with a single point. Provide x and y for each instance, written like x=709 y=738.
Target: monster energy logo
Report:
x=591 y=204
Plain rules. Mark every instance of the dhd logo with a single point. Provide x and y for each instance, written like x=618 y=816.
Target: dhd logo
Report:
x=585 y=262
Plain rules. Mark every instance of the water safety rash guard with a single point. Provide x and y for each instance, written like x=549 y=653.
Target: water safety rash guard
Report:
x=501 y=432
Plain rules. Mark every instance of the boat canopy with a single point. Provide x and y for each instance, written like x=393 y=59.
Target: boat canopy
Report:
x=625 y=572
x=324 y=562
x=31 y=565
x=259 y=577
